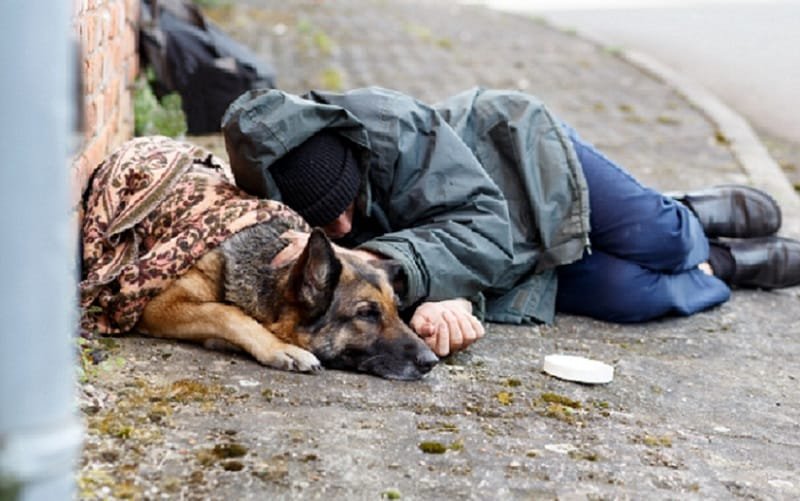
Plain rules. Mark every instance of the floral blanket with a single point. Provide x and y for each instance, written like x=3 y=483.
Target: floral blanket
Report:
x=152 y=209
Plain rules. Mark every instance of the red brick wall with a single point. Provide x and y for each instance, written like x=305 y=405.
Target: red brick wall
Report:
x=109 y=63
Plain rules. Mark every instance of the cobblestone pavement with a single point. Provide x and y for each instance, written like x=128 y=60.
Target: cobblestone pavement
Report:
x=705 y=407
x=786 y=153
x=433 y=49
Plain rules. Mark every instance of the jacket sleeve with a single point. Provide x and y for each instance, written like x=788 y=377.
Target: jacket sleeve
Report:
x=449 y=221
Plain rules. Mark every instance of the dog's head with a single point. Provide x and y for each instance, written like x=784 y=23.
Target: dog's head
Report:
x=349 y=317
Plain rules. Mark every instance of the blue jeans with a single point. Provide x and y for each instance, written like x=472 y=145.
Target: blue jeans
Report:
x=645 y=251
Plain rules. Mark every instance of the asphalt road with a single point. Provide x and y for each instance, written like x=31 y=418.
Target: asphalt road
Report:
x=745 y=52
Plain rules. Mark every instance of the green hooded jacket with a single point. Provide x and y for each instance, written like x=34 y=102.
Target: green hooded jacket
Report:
x=480 y=196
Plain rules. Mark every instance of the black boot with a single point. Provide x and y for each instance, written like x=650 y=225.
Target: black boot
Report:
x=766 y=263
x=733 y=211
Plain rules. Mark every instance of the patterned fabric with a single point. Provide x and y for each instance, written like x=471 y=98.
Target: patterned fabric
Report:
x=153 y=208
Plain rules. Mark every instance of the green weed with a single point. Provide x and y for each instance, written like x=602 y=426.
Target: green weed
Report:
x=154 y=117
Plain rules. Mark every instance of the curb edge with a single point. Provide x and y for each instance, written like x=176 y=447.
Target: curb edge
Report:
x=747 y=149
x=762 y=170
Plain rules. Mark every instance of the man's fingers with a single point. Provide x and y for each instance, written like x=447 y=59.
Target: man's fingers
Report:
x=454 y=327
x=446 y=326
x=431 y=341
x=425 y=330
x=477 y=326
x=442 y=340
x=468 y=332
x=422 y=325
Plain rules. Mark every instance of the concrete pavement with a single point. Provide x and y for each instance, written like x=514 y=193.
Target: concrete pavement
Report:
x=751 y=72
x=705 y=407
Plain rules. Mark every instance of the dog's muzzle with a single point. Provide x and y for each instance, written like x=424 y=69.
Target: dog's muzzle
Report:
x=406 y=360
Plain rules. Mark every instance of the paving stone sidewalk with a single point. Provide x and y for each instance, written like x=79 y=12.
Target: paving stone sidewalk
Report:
x=706 y=407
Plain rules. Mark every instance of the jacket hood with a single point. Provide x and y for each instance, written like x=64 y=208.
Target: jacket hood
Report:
x=262 y=125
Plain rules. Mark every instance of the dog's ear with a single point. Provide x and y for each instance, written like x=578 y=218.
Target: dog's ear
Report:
x=315 y=275
x=396 y=274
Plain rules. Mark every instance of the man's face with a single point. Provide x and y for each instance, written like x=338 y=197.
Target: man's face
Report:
x=342 y=225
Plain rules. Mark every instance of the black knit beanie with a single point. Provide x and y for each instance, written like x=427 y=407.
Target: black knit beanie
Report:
x=319 y=178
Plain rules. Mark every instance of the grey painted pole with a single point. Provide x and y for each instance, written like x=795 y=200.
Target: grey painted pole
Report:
x=39 y=431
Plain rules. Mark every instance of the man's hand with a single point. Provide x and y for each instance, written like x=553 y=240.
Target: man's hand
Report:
x=298 y=241
x=447 y=326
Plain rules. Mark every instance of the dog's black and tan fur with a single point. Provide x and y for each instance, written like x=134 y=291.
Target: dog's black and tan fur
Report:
x=322 y=309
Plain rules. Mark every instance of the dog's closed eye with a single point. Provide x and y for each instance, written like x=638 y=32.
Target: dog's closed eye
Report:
x=368 y=311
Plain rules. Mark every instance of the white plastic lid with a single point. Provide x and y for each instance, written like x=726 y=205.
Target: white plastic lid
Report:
x=579 y=369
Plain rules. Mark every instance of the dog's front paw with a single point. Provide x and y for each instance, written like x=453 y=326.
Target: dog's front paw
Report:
x=292 y=358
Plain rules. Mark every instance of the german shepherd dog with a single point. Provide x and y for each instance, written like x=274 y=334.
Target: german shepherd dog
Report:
x=324 y=308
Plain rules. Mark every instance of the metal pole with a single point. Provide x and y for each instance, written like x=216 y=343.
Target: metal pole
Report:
x=39 y=431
